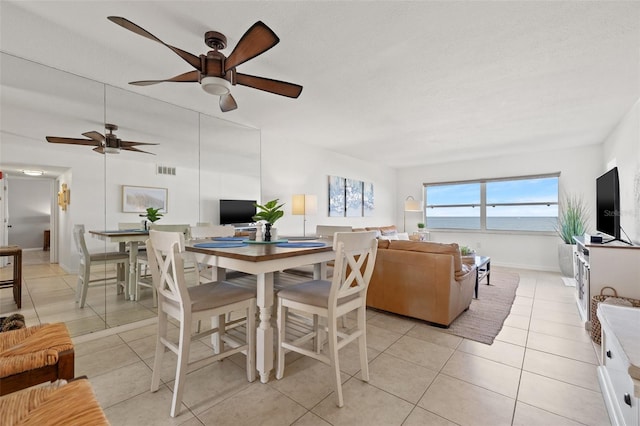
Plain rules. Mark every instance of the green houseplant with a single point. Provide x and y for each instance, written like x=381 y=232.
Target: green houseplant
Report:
x=270 y=212
x=420 y=225
x=152 y=215
x=572 y=221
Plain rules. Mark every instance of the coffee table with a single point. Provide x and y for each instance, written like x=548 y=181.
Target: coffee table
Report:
x=483 y=267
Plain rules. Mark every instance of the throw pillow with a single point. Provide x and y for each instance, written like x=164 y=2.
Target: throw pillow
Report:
x=403 y=236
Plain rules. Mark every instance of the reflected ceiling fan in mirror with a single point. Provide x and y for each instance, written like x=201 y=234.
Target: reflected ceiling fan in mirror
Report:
x=215 y=72
x=109 y=144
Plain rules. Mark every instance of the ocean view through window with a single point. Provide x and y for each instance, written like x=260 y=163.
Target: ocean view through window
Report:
x=527 y=203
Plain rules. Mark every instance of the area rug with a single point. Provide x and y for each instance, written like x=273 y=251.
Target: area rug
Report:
x=485 y=317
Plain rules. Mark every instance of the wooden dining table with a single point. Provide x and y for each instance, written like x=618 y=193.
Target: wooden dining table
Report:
x=263 y=260
x=133 y=237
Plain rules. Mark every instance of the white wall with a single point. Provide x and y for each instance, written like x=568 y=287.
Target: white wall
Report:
x=579 y=169
x=622 y=149
x=290 y=168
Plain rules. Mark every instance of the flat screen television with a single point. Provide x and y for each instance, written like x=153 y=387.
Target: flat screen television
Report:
x=608 y=204
x=234 y=212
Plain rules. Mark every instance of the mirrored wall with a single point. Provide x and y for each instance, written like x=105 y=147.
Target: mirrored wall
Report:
x=198 y=159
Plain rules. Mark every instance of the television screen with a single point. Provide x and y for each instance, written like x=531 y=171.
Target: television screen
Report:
x=608 y=204
x=237 y=211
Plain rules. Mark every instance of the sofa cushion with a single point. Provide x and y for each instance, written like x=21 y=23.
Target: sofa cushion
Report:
x=431 y=247
x=388 y=230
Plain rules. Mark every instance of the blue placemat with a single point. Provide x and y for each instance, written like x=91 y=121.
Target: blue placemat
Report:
x=230 y=238
x=221 y=244
x=301 y=244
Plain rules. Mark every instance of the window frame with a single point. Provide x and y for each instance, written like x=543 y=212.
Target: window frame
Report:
x=483 y=203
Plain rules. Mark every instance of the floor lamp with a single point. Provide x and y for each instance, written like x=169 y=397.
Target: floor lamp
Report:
x=410 y=205
x=303 y=204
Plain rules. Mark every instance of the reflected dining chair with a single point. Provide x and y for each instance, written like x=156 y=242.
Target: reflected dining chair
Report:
x=89 y=260
x=187 y=304
x=330 y=300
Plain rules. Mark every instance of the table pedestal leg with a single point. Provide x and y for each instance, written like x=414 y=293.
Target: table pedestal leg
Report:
x=264 y=332
x=133 y=270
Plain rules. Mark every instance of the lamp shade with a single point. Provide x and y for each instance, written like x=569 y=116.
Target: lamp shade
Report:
x=412 y=205
x=303 y=204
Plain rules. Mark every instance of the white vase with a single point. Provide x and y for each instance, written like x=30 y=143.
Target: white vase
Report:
x=565 y=259
x=274 y=234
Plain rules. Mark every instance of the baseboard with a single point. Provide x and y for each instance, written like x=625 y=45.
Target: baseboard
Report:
x=114 y=330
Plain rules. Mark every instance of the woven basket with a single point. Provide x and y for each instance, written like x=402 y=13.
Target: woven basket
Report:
x=596 y=330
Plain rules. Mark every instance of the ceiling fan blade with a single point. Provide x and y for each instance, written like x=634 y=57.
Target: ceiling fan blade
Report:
x=73 y=141
x=257 y=40
x=130 y=148
x=95 y=136
x=99 y=149
x=127 y=144
x=187 y=77
x=125 y=23
x=227 y=103
x=268 y=85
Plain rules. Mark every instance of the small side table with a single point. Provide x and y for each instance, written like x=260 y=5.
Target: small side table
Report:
x=46 y=240
x=483 y=268
x=16 y=282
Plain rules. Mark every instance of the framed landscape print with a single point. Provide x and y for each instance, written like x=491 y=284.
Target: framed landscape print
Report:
x=336 y=196
x=136 y=199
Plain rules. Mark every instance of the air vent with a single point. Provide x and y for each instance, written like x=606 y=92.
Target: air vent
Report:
x=165 y=170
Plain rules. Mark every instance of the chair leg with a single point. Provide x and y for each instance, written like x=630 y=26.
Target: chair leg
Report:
x=160 y=350
x=251 y=342
x=282 y=324
x=86 y=272
x=362 y=343
x=181 y=367
x=335 y=362
x=318 y=339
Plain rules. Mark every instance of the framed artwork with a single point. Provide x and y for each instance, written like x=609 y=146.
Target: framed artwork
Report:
x=367 y=199
x=136 y=199
x=353 y=196
x=336 y=196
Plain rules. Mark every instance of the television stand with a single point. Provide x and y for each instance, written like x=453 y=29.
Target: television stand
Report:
x=596 y=266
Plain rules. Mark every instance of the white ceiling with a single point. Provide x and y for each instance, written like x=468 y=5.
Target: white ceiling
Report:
x=402 y=83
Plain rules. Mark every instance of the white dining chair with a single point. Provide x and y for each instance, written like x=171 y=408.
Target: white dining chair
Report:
x=186 y=304
x=207 y=232
x=327 y=301
x=89 y=260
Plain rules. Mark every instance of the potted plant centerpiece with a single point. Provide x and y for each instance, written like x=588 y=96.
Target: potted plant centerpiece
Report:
x=152 y=215
x=269 y=213
x=572 y=221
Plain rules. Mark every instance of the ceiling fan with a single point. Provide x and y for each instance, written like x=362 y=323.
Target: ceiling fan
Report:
x=109 y=144
x=215 y=72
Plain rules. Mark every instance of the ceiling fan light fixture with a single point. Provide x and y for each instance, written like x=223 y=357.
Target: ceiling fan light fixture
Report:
x=111 y=150
x=216 y=86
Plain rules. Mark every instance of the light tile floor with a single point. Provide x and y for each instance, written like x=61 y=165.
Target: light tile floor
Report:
x=541 y=370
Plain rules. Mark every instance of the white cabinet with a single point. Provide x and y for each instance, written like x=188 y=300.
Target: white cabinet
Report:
x=619 y=372
x=596 y=266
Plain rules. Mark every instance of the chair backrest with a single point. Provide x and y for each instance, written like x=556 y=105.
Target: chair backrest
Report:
x=328 y=231
x=185 y=229
x=212 y=231
x=164 y=251
x=129 y=225
x=81 y=245
x=355 y=259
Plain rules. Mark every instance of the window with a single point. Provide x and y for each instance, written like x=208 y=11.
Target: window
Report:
x=527 y=203
x=453 y=206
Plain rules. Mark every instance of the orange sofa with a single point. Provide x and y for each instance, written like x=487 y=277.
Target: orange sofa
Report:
x=424 y=280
